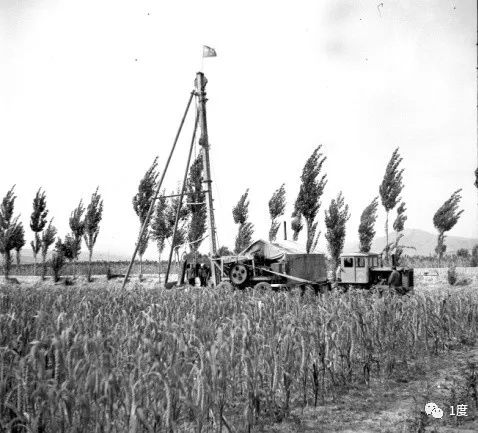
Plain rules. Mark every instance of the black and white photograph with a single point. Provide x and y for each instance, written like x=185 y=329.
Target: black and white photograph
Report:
x=238 y=216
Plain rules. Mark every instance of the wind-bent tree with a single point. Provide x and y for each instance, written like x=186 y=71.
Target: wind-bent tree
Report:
x=224 y=251
x=311 y=190
x=58 y=259
x=336 y=218
x=276 y=210
x=196 y=205
x=398 y=226
x=94 y=213
x=19 y=241
x=463 y=253
x=240 y=213
x=160 y=227
x=445 y=219
x=47 y=239
x=141 y=203
x=37 y=224
x=10 y=230
x=366 y=228
x=474 y=256
x=390 y=189
x=179 y=240
x=73 y=242
x=71 y=250
x=296 y=224
x=181 y=231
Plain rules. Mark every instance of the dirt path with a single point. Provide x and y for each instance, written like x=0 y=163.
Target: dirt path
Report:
x=397 y=404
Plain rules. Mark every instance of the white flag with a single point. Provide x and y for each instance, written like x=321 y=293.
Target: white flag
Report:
x=208 y=51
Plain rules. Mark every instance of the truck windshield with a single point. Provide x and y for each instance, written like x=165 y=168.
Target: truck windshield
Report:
x=348 y=262
x=360 y=262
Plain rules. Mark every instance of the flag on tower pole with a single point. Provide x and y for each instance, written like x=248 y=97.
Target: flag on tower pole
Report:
x=208 y=51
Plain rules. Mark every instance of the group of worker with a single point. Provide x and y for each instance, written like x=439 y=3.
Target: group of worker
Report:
x=200 y=271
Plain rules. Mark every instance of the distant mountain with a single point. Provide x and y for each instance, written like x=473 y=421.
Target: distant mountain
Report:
x=423 y=241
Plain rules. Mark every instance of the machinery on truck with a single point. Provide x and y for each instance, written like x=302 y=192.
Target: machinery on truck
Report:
x=273 y=265
x=285 y=264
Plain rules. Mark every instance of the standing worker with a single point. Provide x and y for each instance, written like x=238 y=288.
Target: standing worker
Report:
x=338 y=273
x=395 y=280
x=190 y=274
x=203 y=275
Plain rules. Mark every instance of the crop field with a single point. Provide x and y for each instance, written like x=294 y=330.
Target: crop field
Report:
x=92 y=358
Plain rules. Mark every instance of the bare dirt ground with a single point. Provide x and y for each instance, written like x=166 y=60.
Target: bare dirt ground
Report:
x=397 y=404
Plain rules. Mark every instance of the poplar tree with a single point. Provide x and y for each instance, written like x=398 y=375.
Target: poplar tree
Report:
x=181 y=232
x=240 y=213
x=19 y=241
x=141 y=203
x=47 y=239
x=276 y=210
x=390 y=190
x=58 y=259
x=336 y=218
x=296 y=224
x=366 y=228
x=93 y=216
x=38 y=222
x=70 y=250
x=197 y=205
x=445 y=219
x=10 y=230
x=311 y=190
x=77 y=226
x=224 y=251
x=398 y=226
x=160 y=227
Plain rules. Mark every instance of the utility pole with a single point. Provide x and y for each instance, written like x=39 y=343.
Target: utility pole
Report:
x=200 y=84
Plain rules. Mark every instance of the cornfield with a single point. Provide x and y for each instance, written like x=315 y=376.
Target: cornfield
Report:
x=102 y=360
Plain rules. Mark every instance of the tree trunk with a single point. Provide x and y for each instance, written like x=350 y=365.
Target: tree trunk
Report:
x=440 y=247
x=140 y=267
x=43 y=264
x=309 y=242
x=34 y=264
x=386 y=240
x=90 y=254
x=159 y=265
x=18 y=258
x=6 y=264
x=75 y=260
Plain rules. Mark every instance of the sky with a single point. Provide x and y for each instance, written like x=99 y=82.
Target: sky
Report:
x=92 y=91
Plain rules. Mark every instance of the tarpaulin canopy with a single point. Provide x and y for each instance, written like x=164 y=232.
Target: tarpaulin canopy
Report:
x=273 y=250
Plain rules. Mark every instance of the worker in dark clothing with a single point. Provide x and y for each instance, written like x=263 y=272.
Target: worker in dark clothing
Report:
x=190 y=274
x=395 y=279
x=204 y=274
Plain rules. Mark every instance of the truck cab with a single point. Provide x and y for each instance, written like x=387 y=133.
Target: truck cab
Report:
x=355 y=268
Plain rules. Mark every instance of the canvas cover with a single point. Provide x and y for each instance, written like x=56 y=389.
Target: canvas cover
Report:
x=273 y=251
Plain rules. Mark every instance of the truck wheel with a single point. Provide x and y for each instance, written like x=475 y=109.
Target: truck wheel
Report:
x=239 y=275
x=225 y=285
x=343 y=288
x=262 y=287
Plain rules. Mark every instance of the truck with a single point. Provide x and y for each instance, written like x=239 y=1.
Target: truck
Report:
x=285 y=264
x=366 y=270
